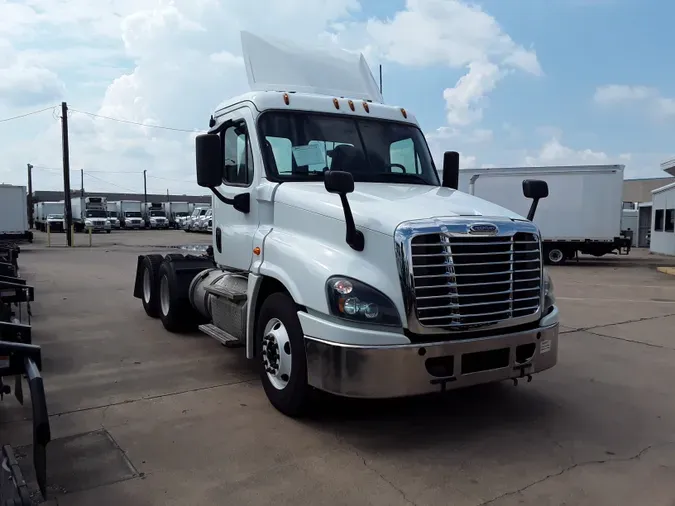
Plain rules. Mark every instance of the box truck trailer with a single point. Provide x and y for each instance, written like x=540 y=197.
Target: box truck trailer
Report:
x=582 y=213
x=14 y=214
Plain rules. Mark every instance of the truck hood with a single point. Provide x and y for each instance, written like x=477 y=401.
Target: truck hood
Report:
x=382 y=207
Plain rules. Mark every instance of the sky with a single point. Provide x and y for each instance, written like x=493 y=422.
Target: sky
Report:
x=504 y=82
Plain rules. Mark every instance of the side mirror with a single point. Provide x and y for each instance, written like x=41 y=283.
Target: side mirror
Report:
x=342 y=183
x=451 y=170
x=209 y=160
x=337 y=181
x=536 y=190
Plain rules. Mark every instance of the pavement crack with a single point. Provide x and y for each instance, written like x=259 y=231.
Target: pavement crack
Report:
x=367 y=465
x=104 y=407
x=651 y=345
x=636 y=320
x=567 y=469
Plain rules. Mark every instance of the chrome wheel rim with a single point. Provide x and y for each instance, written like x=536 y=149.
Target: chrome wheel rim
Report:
x=164 y=295
x=276 y=353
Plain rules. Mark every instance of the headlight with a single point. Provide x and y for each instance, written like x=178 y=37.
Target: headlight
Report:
x=107 y=222
x=352 y=300
x=87 y=222
x=549 y=292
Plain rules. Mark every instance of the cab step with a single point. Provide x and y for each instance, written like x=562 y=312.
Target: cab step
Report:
x=220 y=335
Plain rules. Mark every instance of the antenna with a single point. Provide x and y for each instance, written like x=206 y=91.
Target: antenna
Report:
x=380 y=79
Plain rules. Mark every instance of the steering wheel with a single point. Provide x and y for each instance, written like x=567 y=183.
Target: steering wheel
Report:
x=397 y=165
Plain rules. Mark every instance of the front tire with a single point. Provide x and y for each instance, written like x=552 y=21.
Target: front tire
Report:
x=280 y=346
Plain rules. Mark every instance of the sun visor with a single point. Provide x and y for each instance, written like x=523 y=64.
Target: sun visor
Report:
x=277 y=65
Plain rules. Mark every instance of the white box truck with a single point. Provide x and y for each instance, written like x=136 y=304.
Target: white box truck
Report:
x=154 y=215
x=130 y=214
x=49 y=213
x=90 y=213
x=14 y=214
x=177 y=212
x=112 y=215
x=582 y=213
x=338 y=259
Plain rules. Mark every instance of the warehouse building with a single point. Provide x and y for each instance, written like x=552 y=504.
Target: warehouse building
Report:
x=663 y=215
x=55 y=196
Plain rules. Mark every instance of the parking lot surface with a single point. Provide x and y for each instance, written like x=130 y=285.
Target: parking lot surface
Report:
x=144 y=417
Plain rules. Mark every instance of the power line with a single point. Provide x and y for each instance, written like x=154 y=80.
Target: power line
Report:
x=134 y=122
x=170 y=179
x=27 y=114
x=112 y=184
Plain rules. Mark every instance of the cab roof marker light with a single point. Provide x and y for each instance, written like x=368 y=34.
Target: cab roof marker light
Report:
x=287 y=99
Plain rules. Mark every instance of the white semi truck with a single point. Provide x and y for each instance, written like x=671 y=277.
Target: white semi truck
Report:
x=90 y=213
x=339 y=260
x=129 y=213
x=582 y=214
x=14 y=214
x=49 y=214
x=155 y=216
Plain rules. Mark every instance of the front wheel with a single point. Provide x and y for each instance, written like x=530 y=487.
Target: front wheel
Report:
x=281 y=355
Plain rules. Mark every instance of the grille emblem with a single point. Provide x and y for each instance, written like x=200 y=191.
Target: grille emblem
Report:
x=483 y=229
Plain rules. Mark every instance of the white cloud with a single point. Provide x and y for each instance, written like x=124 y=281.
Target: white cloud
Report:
x=180 y=58
x=450 y=33
x=650 y=99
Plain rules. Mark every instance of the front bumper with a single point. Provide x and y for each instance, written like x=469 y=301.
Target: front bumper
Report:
x=353 y=370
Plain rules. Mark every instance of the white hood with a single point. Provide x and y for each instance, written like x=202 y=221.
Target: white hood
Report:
x=382 y=207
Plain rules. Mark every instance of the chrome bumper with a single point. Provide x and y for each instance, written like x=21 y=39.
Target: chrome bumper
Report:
x=414 y=369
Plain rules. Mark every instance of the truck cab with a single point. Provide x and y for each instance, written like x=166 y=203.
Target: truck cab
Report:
x=339 y=258
x=155 y=216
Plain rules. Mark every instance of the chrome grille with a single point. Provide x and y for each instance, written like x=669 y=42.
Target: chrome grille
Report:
x=462 y=281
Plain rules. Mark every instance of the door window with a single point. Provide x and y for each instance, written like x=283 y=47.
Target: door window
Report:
x=238 y=158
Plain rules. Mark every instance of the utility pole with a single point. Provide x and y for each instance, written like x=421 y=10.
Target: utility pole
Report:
x=66 y=173
x=81 y=182
x=145 y=190
x=30 y=195
x=168 y=199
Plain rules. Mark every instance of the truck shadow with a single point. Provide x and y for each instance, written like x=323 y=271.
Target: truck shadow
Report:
x=450 y=418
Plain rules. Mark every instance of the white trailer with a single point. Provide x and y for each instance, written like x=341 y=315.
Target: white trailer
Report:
x=90 y=213
x=582 y=213
x=49 y=212
x=129 y=213
x=14 y=214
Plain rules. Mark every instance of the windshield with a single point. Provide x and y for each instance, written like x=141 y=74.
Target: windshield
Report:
x=157 y=213
x=132 y=214
x=302 y=146
x=111 y=214
x=97 y=214
x=202 y=212
x=181 y=214
x=55 y=217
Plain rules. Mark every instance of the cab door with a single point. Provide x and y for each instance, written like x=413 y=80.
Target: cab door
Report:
x=234 y=229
